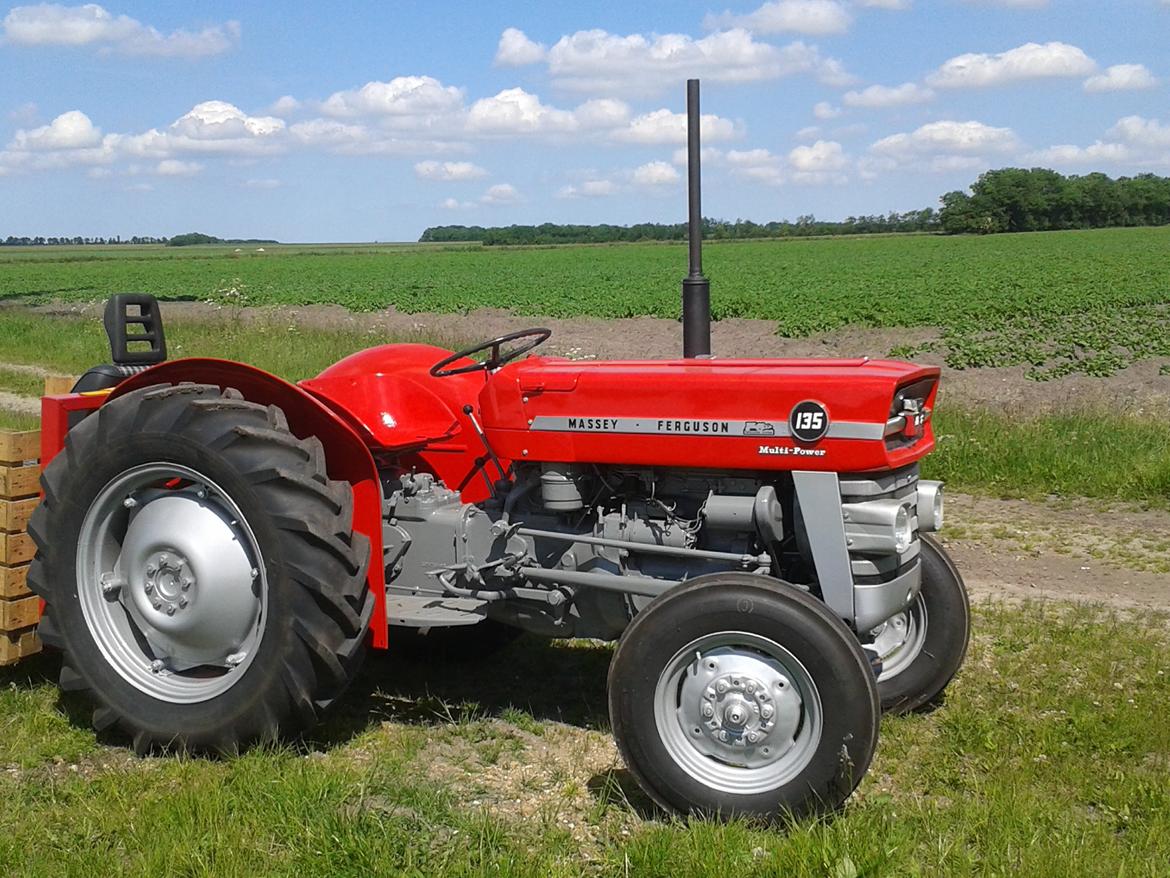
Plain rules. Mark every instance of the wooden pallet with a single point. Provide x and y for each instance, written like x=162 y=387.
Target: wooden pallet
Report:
x=20 y=609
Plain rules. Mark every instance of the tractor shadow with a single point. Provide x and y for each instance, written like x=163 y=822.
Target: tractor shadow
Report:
x=548 y=680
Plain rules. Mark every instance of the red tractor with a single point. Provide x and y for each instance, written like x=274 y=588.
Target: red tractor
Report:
x=218 y=547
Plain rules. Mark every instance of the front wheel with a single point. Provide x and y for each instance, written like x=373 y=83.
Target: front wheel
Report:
x=740 y=695
x=199 y=570
x=922 y=648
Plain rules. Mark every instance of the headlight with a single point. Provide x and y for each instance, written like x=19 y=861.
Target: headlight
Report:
x=903 y=532
x=880 y=527
x=930 y=505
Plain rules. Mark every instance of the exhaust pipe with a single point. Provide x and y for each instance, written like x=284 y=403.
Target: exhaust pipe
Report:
x=696 y=289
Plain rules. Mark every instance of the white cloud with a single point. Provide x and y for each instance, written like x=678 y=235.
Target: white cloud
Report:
x=603 y=113
x=50 y=24
x=821 y=162
x=823 y=110
x=448 y=171
x=284 y=106
x=501 y=193
x=404 y=99
x=589 y=189
x=808 y=132
x=1068 y=154
x=663 y=126
x=878 y=96
x=176 y=168
x=515 y=111
x=599 y=62
x=456 y=204
x=1011 y=4
x=893 y=5
x=1137 y=131
x=26 y=115
x=516 y=50
x=947 y=138
x=1029 y=61
x=757 y=165
x=1121 y=77
x=656 y=174
x=813 y=17
x=71 y=130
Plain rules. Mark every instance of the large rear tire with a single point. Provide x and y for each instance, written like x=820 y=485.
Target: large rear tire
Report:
x=740 y=695
x=199 y=570
x=923 y=648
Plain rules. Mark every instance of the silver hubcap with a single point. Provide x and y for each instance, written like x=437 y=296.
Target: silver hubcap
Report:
x=738 y=712
x=170 y=583
x=898 y=641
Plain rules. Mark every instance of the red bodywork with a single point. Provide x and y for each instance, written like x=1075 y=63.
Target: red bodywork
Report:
x=380 y=409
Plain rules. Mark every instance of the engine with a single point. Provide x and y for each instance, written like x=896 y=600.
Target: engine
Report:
x=572 y=550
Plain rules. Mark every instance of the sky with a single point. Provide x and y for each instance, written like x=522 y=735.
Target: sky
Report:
x=372 y=121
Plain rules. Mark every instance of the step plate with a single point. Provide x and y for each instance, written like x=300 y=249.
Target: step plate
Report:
x=432 y=611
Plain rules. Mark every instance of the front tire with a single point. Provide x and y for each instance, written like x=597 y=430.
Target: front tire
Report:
x=740 y=695
x=199 y=570
x=923 y=648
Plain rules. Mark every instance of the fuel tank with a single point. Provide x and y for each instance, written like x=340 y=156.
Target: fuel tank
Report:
x=803 y=414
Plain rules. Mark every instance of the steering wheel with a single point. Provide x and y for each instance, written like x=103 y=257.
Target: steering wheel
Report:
x=536 y=336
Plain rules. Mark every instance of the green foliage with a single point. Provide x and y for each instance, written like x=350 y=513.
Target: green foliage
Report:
x=1036 y=200
x=713 y=229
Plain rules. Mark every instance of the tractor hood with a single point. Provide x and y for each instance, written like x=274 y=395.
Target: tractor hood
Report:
x=826 y=414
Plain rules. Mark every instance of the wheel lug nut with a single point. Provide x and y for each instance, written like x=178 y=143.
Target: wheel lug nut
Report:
x=129 y=502
x=157 y=605
x=148 y=588
x=182 y=602
x=708 y=710
x=766 y=712
x=157 y=665
x=171 y=610
x=721 y=686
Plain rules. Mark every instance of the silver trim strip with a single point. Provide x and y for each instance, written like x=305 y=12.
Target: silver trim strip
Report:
x=698 y=427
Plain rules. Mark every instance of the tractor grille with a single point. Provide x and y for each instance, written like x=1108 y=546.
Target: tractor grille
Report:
x=871 y=568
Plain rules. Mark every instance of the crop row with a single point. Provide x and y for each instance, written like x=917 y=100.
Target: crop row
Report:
x=1071 y=301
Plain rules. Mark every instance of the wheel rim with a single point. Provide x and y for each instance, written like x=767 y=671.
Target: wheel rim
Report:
x=898 y=641
x=738 y=712
x=170 y=584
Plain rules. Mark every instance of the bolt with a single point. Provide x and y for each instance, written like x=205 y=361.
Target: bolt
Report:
x=709 y=694
x=148 y=588
x=171 y=610
x=235 y=658
x=157 y=605
x=157 y=665
x=721 y=686
x=129 y=502
x=165 y=560
x=111 y=585
x=766 y=712
x=182 y=602
x=152 y=568
x=186 y=583
x=200 y=493
x=708 y=710
x=752 y=737
x=255 y=572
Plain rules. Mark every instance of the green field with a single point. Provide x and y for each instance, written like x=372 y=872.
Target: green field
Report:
x=1048 y=760
x=1060 y=302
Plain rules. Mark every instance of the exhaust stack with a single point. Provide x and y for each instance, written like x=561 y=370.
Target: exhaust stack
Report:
x=696 y=289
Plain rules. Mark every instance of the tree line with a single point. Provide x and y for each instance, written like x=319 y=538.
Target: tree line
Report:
x=1004 y=200
x=184 y=240
x=713 y=229
x=1040 y=200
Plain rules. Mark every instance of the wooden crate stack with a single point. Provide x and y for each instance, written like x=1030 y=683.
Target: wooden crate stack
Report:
x=19 y=488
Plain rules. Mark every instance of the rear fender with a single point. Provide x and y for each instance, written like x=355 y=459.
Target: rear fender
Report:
x=346 y=455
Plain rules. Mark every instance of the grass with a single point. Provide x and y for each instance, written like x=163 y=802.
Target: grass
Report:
x=1095 y=454
x=1060 y=302
x=1048 y=759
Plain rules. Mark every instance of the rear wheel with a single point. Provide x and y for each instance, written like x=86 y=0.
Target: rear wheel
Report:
x=199 y=570
x=736 y=694
x=922 y=648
